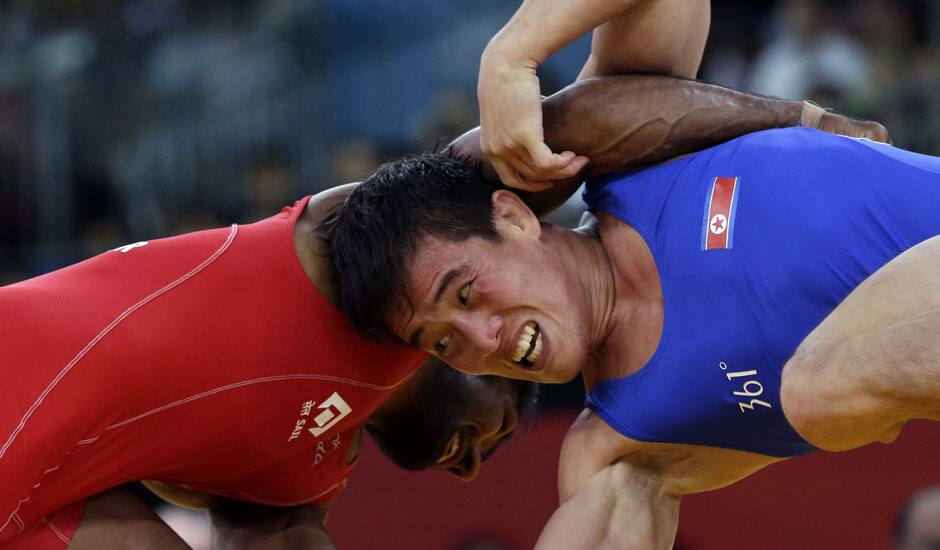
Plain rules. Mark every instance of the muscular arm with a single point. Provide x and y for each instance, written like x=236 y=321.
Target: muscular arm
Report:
x=632 y=120
x=636 y=36
x=620 y=506
x=607 y=501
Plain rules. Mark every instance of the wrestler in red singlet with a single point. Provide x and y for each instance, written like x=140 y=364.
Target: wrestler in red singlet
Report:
x=208 y=360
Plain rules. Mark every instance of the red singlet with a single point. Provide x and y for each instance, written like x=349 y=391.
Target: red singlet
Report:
x=207 y=360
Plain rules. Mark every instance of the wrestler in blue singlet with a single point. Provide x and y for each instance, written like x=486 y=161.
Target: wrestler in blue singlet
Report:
x=813 y=215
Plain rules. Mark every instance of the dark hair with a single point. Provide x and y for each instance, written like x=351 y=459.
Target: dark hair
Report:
x=375 y=233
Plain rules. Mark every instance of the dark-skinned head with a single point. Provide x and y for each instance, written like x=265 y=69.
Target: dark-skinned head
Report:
x=442 y=418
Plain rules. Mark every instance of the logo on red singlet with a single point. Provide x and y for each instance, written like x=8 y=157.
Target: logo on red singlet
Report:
x=718 y=224
x=327 y=414
x=128 y=247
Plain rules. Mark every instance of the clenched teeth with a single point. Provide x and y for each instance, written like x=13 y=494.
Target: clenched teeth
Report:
x=526 y=352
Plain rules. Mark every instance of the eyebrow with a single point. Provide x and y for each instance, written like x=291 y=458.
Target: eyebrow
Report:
x=447 y=280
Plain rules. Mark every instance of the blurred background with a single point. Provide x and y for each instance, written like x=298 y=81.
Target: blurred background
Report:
x=123 y=120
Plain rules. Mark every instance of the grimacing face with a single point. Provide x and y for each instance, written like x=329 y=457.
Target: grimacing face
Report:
x=510 y=308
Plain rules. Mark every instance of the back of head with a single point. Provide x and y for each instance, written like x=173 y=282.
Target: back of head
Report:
x=374 y=235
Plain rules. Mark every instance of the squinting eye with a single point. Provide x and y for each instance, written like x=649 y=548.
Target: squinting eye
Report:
x=465 y=292
x=451 y=450
x=441 y=345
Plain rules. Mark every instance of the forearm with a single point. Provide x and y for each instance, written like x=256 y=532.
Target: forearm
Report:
x=238 y=525
x=635 y=120
x=541 y=27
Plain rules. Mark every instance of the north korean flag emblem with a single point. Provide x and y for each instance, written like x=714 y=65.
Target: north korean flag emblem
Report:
x=718 y=225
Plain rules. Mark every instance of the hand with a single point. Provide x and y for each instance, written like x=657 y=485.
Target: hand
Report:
x=815 y=116
x=511 y=129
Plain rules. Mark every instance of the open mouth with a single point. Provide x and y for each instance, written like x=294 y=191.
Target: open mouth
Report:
x=529 y=346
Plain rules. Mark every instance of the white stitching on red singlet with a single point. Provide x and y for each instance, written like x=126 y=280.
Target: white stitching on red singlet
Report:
x=88 y=347
x=55 y=530
x=235 y=385
x=16 y=519
x=108 y=329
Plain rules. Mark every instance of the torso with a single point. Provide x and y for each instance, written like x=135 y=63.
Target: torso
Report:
x=684 y=468
x=202 y=360
x=695 y=372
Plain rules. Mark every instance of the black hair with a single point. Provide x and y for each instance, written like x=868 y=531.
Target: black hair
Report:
x=375 y=233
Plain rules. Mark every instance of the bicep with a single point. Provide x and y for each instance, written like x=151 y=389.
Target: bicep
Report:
x=618 y=507
x=654 y=36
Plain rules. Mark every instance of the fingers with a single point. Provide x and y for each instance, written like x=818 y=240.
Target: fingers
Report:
x=536 y=170
x=512 y=178
x=876 y=132
x=838 y=124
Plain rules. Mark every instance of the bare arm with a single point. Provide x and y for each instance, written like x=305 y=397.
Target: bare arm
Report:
x=648 y=36
x=664 y=37
x=618 y=507
x=635 y=120
x=608 y=501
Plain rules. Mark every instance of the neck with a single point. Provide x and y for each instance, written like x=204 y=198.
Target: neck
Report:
x=617 y=290
x=591 y=276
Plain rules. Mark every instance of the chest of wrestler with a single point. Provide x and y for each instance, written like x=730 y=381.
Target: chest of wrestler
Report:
x=703 y=371
x=731 y=314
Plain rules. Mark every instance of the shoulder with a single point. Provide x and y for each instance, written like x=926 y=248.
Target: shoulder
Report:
x=590 y=446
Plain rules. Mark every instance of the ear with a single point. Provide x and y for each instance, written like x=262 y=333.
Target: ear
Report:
x=511 y=214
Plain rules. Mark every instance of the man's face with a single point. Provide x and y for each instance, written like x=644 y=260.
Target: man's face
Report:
x=509 y=308
x=445 y=419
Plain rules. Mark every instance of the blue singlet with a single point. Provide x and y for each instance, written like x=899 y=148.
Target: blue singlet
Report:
x=810 y=216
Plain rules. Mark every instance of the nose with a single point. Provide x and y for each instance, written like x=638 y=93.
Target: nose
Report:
x=481 y=330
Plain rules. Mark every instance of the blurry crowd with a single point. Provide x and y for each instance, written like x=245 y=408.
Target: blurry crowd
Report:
x=130 y=119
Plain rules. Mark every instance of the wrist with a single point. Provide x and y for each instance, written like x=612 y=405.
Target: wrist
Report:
x=508 y=51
